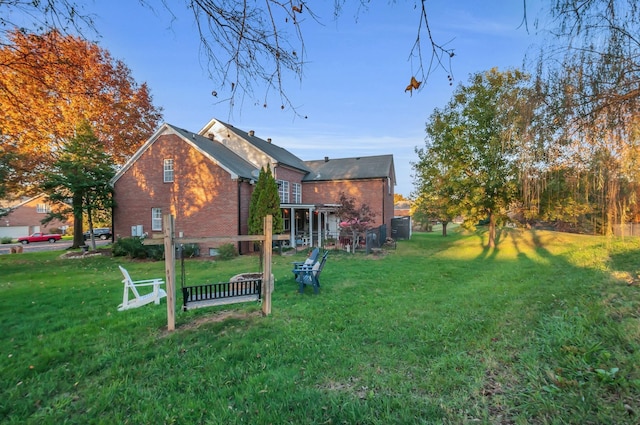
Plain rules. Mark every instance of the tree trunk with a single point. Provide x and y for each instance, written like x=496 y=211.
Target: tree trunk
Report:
x=78 y=237
x=444 y=228
x=354 y=241
x=91 y=235
x=492 y=230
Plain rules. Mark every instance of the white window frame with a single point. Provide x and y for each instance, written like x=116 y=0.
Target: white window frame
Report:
x=283 y=191
x=156 y=219
x=43 y=208
x=297 y=193
x=167 y=169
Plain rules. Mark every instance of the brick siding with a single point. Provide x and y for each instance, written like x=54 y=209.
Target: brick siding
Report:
x=28 y=215
x=374 y=192
x=203 y=198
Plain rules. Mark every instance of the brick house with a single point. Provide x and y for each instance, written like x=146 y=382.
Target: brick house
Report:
x=205 y=180
x=25 y=216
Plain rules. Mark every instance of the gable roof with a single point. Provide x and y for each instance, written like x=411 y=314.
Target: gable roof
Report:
x=365 y=167
x=11 y=205
x=219 y=154
x=277 y=154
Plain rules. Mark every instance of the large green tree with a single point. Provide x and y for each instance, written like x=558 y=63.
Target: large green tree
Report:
x=265 y=200
x=438 y=191
x=471 y=161
x=81 y=173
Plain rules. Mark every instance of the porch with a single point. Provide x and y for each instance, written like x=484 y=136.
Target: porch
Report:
x=310 y=224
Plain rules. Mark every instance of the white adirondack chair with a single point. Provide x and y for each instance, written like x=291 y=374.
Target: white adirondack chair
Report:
x=138 y=300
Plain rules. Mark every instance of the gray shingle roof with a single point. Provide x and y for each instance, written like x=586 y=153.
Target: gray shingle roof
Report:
x=280 y=155
x=220 y=153
x=366 y=167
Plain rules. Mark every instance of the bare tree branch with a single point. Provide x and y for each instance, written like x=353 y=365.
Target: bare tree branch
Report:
x=43 y=15
x=441 y=55
x=250 y=43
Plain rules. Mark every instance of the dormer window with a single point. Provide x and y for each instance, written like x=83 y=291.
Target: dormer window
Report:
x=168 y=170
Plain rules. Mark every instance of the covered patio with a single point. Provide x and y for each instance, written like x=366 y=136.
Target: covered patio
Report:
x=310 y=224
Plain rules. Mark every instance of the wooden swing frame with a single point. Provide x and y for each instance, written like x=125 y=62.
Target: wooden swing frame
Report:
x=170 y=241
x=239 y=289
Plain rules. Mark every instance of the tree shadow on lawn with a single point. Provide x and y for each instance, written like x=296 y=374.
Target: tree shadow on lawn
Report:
x=570 y=300
x=625 y=264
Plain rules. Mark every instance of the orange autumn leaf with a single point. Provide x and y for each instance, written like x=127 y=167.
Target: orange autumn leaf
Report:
x=413 y=85
x=50 y=82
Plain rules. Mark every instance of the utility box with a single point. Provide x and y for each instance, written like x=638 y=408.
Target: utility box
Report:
x=401 y=228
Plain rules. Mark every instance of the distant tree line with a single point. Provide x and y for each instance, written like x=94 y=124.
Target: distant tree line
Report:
x=560 y=145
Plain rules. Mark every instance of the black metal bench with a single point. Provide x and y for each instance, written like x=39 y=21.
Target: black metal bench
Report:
x=212 y=294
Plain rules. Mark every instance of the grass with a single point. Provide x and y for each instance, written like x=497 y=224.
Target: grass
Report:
x=542 y=330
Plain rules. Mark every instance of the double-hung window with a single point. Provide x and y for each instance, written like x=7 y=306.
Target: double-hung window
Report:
x=168 y=170
x=283 y=191
x=297 y=193
x=156 y=219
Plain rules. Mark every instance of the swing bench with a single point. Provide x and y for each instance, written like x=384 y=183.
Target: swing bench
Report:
x=241 y=288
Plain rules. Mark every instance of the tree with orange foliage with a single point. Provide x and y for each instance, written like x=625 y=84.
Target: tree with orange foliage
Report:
x=49 y=83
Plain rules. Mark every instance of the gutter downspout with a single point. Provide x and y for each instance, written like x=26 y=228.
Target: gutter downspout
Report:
x=239 y=215
x=383 y=203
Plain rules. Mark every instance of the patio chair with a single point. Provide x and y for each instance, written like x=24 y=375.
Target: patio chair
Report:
x=131 y=286
x=310 y=261
x=310 y=275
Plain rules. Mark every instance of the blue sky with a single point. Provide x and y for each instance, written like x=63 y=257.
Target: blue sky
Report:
x=352 y=91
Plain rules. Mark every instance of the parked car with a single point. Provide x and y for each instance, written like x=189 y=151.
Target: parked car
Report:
x=39 y=237
x=103 y=233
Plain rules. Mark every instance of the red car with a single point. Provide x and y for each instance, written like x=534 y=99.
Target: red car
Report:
x=39 y=237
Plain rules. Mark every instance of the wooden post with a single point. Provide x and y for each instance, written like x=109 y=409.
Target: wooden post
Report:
x=170 y=270
x=267 y=247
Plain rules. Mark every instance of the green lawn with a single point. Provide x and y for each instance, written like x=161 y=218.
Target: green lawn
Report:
x=543 y=330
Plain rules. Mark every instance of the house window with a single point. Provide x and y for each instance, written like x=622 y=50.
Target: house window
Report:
x=297 y=193
x=168 y=170
x=156 y=219
x=43 y=208
x=283 y=191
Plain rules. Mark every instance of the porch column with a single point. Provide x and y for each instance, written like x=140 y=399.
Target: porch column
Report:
x=320 y=228
x=310 y=226
x=292 y=227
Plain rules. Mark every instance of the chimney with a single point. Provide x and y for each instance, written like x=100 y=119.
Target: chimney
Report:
x=251 y=133
x=326 y=159
x=269 y=140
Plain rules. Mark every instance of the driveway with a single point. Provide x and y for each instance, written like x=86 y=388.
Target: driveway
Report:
x=45 y=246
